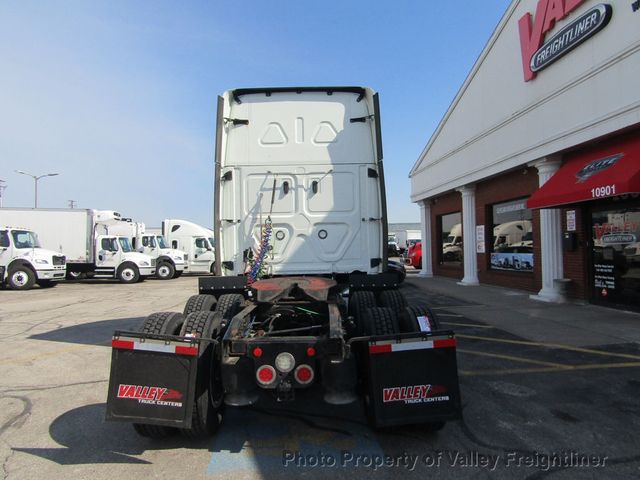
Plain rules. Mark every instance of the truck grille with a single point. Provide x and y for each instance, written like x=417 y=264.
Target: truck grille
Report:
x=59 y=260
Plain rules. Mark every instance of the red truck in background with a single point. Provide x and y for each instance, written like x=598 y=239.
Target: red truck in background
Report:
x=414 y=255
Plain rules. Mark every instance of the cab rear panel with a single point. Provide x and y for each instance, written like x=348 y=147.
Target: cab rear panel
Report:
x=308 y=161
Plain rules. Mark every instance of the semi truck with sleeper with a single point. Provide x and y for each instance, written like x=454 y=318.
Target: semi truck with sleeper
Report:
x=194 y=239
x=82 y=236
x=302 y=302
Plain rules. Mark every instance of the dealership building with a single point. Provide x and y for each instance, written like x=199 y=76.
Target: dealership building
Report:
x=532 y=178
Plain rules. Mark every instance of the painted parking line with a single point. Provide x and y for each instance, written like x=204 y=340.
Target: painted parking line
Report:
x=558 y=346
x=513 y=359
x=564 y=369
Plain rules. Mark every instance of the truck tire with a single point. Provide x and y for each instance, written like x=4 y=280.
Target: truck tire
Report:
x=168 y=323
x=381 y=321
x=163 y=323
x=46 y=283
x=200 y=303
x=359 y=302
x=128 y=273
x=393 y=299
x=165 y=271
x=229 y=304
x=409 y=318
x=178 y=273
x=209 y=396
x=21 y=277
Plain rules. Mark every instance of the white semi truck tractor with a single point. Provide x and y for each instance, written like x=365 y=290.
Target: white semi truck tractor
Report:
x=303 y=302
x=82 y=236
x=170 y=262
x=195 y=240
x=24 y=263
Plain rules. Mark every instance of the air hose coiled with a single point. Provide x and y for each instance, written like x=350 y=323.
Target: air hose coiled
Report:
x=263 y=249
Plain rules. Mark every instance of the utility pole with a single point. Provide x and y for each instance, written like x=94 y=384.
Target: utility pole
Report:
x=72 y=203
x=2 y=187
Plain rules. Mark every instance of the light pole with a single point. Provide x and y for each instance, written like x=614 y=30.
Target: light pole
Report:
x=36 y=178
x=2 y=187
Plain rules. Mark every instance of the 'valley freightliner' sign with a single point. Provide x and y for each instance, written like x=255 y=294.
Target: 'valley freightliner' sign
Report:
x=571 y=36
x=535 y=55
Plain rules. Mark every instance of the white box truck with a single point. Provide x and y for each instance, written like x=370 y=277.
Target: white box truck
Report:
x=303 y=302
x=193 y=239
x=23 y=262
x=170 y=262
x=82 y=236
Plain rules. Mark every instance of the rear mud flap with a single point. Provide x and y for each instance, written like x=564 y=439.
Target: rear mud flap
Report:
x=413 y=380
x=152 y=379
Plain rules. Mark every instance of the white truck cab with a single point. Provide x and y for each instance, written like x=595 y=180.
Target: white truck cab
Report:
x=116 y=254
x=24 y=263
x=170 y=262
x=452 y=247
x=193 y=239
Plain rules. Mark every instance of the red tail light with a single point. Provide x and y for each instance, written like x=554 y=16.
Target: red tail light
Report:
x=266 y=375
x=304 y=374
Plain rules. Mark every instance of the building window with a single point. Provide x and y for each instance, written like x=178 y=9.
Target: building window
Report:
x=615 y=247
x=512 y=239
x=451 y=238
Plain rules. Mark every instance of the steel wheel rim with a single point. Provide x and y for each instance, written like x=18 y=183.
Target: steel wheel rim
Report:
x=20 y=278
x=128 y=274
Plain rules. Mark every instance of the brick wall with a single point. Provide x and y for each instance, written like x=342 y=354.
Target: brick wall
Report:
x=576 y=263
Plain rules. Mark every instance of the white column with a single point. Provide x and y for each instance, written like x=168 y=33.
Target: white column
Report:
x=425 y=220
x=469 y=235
x=550 y=238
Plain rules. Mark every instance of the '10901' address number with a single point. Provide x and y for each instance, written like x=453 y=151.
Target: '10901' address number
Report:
x=604 y=191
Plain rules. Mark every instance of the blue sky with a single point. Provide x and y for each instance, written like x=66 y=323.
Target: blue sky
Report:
x=119 y=97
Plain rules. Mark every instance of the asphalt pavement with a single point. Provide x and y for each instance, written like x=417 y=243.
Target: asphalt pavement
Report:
x=548 y=391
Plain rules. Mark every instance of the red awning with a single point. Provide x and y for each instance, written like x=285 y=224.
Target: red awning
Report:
x=600 y=173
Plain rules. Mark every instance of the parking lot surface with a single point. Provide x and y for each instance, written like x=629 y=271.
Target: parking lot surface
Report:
x=533 y=407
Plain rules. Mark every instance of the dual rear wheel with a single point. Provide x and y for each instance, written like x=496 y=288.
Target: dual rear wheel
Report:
x=204 y=318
